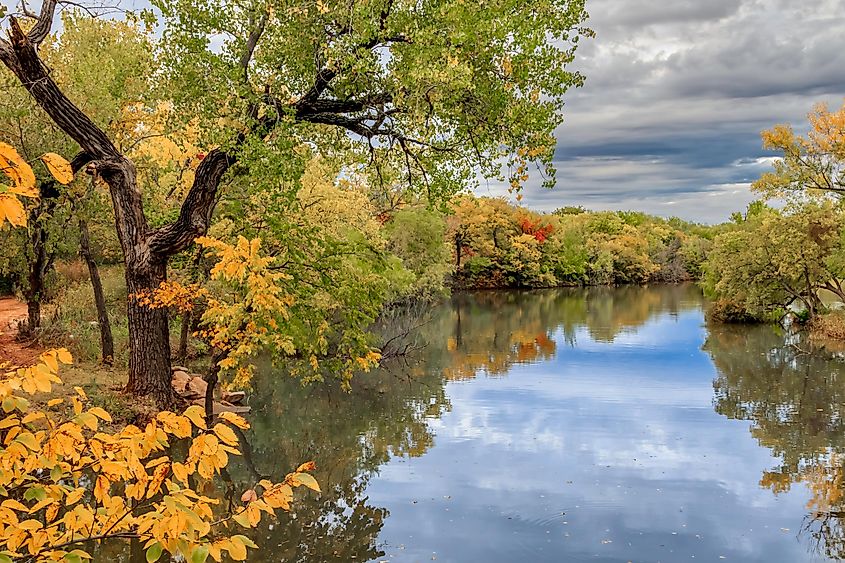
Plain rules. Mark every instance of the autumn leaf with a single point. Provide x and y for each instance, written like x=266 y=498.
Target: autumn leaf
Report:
x=11 y=210
x=249 y=496
x=18 y=170
x=307 y=466
x=306 y=480
x=196 y=414
x=58 y=167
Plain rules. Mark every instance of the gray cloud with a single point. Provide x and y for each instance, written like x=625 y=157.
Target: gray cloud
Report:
x=676 y=96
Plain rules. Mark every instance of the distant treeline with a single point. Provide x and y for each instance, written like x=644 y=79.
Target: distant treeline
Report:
x=496 y=244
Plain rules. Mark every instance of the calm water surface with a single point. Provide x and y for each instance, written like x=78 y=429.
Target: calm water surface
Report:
x=566 y=425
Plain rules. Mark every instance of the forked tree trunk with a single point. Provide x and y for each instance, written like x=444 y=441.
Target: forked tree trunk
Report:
x=106 y=340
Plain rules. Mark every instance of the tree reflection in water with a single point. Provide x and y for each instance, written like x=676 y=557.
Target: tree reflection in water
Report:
x=388 y=412
x=791 y=390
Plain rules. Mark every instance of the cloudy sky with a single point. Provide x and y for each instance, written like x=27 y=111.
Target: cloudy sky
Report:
x=677 y=93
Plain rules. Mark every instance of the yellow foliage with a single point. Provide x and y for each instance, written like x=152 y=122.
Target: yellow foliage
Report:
x=50 y=459
x=58 y=167
x=23 y=184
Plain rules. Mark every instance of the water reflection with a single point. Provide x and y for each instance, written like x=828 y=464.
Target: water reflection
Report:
x=561 y=425
x=490 y=331
x=791 y=391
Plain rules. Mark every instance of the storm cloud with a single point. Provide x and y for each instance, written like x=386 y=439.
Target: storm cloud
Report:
x=677 y=93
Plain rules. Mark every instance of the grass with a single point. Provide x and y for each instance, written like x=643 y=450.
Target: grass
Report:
x=103 y=386
x=70 y=319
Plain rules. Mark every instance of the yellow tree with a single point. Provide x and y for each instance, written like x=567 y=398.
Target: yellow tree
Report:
x=813 y=162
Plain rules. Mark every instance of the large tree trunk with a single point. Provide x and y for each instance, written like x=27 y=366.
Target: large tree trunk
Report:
x=106 y=340
x=149 y=338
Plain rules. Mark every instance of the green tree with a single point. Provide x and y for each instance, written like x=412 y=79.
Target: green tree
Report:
x=776 y=259
x=418 y=237
x=440 y=86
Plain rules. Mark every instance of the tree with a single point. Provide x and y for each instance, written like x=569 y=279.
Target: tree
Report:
x=776 y=259
x=418 y=237
x=815 y=162
x=441 y=86
x=104 y=91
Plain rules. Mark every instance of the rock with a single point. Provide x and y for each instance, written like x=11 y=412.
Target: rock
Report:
x=179 y=368
x=182 y=377
x=196 y=386
x=234 y=397
x=223 y=406
x=180 y=380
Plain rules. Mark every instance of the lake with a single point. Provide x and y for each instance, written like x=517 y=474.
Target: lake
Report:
x=605 y=424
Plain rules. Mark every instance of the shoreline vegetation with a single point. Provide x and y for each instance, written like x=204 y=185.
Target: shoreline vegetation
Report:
x=482 y=243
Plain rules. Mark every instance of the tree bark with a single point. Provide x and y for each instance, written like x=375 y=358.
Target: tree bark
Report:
x=33 y=312
x=106 y=340
x=149 y=337
x=39 y=260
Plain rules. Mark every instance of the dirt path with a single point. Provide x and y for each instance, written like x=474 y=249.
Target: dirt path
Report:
x=18 y=353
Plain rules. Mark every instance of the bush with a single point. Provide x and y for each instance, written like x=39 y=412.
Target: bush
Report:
x=730 y=312
x=830 y=325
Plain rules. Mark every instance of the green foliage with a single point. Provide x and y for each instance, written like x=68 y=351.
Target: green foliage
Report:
x=418 y=237
x=501 y=245
x=457 y=85
x=776 y=260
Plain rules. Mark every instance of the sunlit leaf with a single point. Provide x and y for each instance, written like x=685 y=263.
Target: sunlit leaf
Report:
x=58 y=167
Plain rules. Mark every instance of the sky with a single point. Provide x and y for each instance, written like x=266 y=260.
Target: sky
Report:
x=676 y=96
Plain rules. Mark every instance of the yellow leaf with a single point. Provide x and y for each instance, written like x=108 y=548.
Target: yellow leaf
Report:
x=54 y=402
x=307 y=466
x=237 y=550
x=307 y=480
x=196 y=414
x=158 y=478
x=100 y=413
x=33 y=416
x=14 y=505
x=74 y=496
x=17 y=169
x=226 y=434
x=180 y=471
x=58 y=167
x=11 y=210
x=235 y=420
x=64 y=356
x=101 y=488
